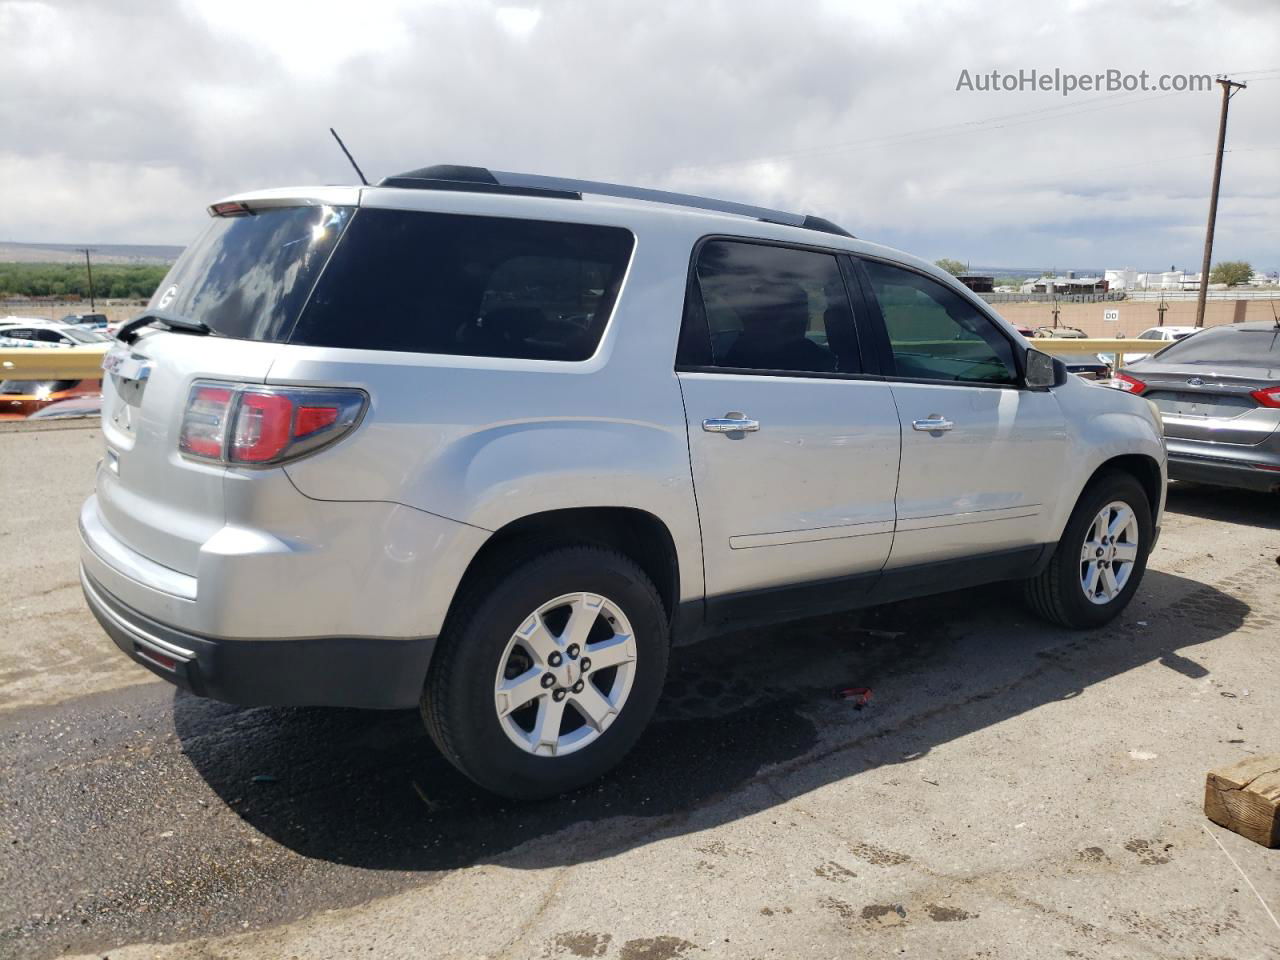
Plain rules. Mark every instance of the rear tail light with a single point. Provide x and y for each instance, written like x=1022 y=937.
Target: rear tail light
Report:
x=264 y=426
x=1267 y=396
x=1128 y=384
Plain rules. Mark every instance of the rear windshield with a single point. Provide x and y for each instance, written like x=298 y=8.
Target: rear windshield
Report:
x=1226 y=345
x=477 y=286
x=83 y=336
x=248 y=277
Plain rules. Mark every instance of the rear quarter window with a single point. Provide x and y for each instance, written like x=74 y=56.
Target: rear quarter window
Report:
x=467 y=285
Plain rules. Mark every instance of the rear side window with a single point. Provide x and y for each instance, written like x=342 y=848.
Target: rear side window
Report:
x=247 y=277
x=768 y=308
x=475 y=286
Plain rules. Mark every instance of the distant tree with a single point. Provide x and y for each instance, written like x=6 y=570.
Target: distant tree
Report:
x=1231 y=272
x=953 y=267
x=1010 y=281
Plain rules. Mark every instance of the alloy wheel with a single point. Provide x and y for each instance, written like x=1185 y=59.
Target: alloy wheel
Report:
x=1109 y=552
x=565 y=674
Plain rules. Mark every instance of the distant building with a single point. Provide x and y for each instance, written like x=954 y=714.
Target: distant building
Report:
x=977 y=282
x=1167 y=280
x=1264 y=280
x=1070 y=285
x=1126 y=279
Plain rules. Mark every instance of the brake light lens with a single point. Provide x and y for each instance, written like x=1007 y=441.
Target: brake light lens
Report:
x=265 y=426
x=1267 y=396
x=1128 y=384
x=230 y=209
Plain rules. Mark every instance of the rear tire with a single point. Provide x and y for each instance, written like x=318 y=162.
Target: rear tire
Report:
x=1090 y=580
x=509 y=667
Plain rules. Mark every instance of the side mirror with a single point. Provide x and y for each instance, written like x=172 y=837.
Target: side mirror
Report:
x=1043 y=371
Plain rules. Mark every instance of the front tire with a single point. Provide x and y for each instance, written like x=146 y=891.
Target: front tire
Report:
x=1101 y=558
x=548 y=671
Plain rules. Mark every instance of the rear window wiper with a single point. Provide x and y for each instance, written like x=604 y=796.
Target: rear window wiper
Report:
x=129 y=332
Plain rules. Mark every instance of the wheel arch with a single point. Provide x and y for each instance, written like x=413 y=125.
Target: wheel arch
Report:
x=633 y=532
x=1144 y=469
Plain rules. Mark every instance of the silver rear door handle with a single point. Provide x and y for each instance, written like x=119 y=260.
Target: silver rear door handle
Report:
x=730 y=424
x=931 y=423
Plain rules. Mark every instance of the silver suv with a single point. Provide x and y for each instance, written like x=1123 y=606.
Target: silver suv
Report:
x=490 y=443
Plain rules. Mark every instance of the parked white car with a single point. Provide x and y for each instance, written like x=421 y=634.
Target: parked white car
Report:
x=37 y=332
x=1166 y=335
x=489 y=443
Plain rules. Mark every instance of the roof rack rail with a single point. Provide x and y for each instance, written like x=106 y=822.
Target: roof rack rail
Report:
x=482 y=180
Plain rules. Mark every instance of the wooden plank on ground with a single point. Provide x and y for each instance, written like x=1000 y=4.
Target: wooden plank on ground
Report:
x=1245 y=798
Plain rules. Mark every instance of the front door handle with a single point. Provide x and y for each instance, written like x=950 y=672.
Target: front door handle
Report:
x=733 y=423
x=933 y=422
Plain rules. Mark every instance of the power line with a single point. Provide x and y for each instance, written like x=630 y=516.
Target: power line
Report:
x=996 y=122
x=1057 y=112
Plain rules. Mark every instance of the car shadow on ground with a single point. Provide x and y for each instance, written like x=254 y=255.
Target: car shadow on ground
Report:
x=1225 y=505
x=368 y=789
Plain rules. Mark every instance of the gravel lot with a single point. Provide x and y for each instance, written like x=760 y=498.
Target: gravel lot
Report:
x=1011 y=790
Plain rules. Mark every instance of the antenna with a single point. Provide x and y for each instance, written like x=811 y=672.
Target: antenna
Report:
x=359 y=172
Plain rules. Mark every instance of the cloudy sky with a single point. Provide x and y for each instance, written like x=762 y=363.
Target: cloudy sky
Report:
x=120 y=121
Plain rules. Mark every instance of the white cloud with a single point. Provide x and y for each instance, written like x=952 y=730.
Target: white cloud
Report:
x=121 y=123
x=518 y=21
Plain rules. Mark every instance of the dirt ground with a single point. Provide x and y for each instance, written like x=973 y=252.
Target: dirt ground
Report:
x=1011 y=790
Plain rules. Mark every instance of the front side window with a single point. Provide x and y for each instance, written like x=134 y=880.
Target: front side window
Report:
x=935 y=333
x=467 y=285
x=771 y=308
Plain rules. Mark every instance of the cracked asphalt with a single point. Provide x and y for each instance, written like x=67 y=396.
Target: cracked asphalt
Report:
x=1011 y=790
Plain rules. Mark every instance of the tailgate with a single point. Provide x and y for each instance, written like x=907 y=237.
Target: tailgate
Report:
x=154 y=500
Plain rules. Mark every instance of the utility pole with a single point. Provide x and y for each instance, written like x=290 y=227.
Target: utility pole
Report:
x=89 y=267
x=1227 y=93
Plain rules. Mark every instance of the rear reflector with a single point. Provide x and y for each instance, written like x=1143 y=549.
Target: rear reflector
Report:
x=156 y=657
x=1267 y=396
x=271 y=425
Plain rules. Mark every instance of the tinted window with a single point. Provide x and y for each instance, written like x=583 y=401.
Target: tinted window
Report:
x=32 y=387
x=479 y=286
x=247 y=277
x=769 y=308
x=1226 y=345
x=935 y=333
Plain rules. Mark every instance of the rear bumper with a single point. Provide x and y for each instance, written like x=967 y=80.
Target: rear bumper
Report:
x=313 y=671
x=1223 y=473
